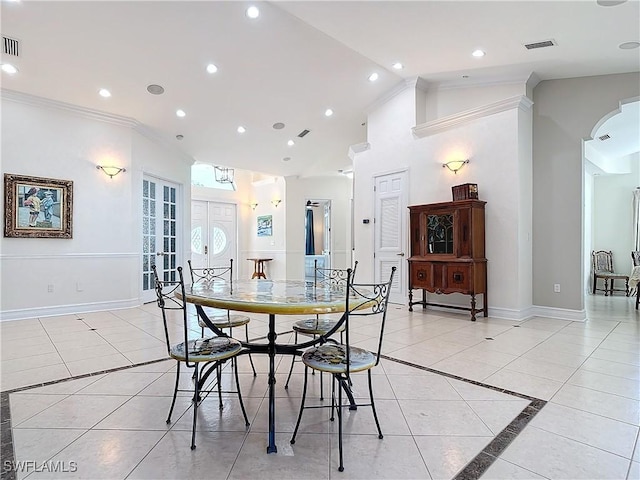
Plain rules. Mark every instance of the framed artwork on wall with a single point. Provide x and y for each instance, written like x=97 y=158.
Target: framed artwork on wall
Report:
x=265 y=226
x=37 y=207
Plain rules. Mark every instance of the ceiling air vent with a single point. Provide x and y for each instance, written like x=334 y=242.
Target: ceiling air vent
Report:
x=546 y=43
x=604 y=137
x=303 y=133
x=10 y=46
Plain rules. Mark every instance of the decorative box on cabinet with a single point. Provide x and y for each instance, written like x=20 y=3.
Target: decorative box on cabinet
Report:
x=447 y=252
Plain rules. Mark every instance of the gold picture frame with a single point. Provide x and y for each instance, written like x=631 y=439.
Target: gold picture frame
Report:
x=37 y=207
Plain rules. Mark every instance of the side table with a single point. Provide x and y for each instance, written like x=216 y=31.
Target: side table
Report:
x=258 y=267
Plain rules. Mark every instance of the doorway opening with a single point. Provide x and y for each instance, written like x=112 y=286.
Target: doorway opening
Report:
x=317 y=236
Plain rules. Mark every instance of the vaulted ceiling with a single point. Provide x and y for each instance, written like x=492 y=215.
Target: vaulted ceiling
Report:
x=293 y=62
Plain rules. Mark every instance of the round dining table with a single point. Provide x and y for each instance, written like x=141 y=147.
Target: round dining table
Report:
x=271 y=297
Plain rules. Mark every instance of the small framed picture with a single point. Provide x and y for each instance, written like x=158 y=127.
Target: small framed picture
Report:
x=265 y=226
x=37 y=207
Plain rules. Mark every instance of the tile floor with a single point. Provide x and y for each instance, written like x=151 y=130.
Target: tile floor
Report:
x=111 y=424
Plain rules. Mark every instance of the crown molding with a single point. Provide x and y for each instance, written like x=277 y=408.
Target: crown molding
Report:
x=453 y=121
x=89 y=113
x=415 y=83
x=358 y=148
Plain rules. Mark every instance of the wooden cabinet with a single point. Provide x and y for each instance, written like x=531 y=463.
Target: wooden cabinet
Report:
x=447 y=252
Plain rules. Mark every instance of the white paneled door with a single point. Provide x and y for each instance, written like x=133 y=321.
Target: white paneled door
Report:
x=213 y=234
x=391 y=198
x=160 y=226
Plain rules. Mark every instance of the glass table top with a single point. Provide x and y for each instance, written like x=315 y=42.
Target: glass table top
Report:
x=290 y=297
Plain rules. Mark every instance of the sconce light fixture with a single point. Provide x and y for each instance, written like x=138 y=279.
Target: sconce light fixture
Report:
x=223 y=174
x=455 y=165
x=111 y=171
x=276 y=202
x=253 y=206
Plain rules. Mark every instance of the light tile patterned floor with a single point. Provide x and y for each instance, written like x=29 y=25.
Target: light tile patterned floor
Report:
x=112 y=425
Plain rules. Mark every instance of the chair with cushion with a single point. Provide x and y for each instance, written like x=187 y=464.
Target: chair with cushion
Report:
x=602 y=264
x=342 y=360
x=314 y=327
x=204 y=355
x=222 y=319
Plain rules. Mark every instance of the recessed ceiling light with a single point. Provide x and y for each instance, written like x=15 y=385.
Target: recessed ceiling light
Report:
x=398 y=66
x=278 y=126
x=241 y=129
x=610 y=3
x=286 y=159
x=465 y=76
x=478 y=53
x=373 y=77
x=179 y=137
x=629 y=45
x=104 y=93
x=291 y=143
x=328 y=112
x=8 y=68
x=211 y=68
x=253 y=12
x=155 y=89
x=180 y=113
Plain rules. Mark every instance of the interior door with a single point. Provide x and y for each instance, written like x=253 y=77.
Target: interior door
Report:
x=160 y=224
x=213 y=234
x=390 y=227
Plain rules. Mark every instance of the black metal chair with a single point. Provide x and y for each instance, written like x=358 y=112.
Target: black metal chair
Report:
x=213 y=352
x=317 y=326
x=221 y=319
x=341 y=360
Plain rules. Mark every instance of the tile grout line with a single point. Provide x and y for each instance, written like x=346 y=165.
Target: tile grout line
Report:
x=478 y=465
x=7 y=448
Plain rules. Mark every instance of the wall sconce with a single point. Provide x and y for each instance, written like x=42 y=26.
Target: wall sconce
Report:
x=455 y=165
x=253 y=206
x=111 y=171
x=276 y=202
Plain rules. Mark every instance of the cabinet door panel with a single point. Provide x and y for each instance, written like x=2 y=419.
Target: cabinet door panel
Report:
x=421 y=275
x=459 y=278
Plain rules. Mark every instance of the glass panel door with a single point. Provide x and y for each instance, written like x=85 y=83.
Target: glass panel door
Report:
x=159 y=233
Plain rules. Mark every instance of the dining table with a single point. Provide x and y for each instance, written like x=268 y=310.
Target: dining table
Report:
x=270 y=297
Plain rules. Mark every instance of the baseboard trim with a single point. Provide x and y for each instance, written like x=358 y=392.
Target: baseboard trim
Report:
x=22 y=314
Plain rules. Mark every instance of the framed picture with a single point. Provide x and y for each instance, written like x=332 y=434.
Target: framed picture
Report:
x=265 y=226
x=37 y=207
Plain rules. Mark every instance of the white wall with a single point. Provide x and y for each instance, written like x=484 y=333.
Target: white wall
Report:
x=498 y=164
x=612 y=215
x=100 y=266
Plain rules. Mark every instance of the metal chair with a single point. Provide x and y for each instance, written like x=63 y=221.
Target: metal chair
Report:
x=341 y=360
x=213 y=352
x=314 y=327
x=222 y=319
x=602 y=264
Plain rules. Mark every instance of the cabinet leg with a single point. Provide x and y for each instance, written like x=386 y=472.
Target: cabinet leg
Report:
x=424 y=299
x=473 y=307
x=410 y=300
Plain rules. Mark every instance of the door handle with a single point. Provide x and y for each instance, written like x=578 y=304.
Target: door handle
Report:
x=206 y=249
x=400 y=254
x=160 y=254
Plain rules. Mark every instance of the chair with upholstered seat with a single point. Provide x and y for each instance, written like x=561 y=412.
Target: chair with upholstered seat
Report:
x=602 y=264
x=204 y=355
x=222 y=319
x=314 y=327
x=342 y=360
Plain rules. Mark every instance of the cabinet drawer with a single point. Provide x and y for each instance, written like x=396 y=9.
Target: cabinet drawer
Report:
x=459 y=278
x=421 y=275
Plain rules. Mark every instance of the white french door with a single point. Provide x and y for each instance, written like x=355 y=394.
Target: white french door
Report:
x=160 y=226
x=213 y=234
x=390 y=229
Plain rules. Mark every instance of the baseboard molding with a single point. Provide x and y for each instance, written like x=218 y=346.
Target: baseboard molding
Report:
x=22 y=314
x=525 y=313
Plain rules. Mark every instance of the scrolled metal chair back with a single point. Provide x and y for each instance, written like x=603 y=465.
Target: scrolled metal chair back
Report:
x=211 y=274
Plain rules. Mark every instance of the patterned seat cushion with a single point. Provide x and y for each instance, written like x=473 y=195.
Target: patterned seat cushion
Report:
x=315 y=326
x=333 y=358
x=207 y=349
x=224 y=321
